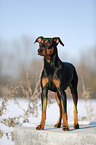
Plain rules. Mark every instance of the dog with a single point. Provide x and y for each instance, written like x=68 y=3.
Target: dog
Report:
x=57 y=76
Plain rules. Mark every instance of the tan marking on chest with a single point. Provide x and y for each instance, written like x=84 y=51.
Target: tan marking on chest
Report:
x=45 y=81
x=56 y=82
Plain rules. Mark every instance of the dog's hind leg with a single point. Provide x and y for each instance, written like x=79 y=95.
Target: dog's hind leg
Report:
x=73 y=87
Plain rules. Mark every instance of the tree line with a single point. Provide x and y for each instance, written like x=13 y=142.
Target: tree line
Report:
x=20 y=56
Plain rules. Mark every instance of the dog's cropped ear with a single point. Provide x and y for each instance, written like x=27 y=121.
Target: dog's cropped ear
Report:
x=57 y=40
x=39 y=39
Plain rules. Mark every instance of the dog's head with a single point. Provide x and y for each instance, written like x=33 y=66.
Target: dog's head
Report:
x=47 y=45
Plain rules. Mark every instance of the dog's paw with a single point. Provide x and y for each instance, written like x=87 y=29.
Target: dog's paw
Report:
x=40 y=127
x=58 y=125
x=76 y=126
x=65 y=128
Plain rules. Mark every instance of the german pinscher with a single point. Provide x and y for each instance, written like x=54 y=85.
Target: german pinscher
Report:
x=57 y=76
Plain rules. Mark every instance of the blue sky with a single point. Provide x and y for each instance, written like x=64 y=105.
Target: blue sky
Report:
x=72 y=20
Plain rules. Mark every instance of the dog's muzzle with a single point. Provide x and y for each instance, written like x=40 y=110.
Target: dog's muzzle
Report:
x=40 y=51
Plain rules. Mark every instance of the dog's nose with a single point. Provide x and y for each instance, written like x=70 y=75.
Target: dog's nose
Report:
x=40 y=50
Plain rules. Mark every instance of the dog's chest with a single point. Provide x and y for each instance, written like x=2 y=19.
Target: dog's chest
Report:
x=51 y=82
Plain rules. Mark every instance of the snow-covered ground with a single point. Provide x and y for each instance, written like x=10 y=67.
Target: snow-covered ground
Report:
x=86 y=114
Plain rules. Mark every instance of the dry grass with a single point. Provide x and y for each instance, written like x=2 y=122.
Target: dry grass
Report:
x=87 y=93
x=29 y=94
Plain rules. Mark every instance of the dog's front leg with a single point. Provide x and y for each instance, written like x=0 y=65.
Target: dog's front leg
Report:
x=58 y=124
x=62 y=94
x=44 y=106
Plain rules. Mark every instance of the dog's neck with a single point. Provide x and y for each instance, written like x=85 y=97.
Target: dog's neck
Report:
x=53 y=62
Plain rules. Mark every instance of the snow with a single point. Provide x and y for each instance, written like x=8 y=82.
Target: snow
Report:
x=86 y=114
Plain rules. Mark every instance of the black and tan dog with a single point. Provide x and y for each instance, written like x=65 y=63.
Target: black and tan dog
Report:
x=57 y=76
